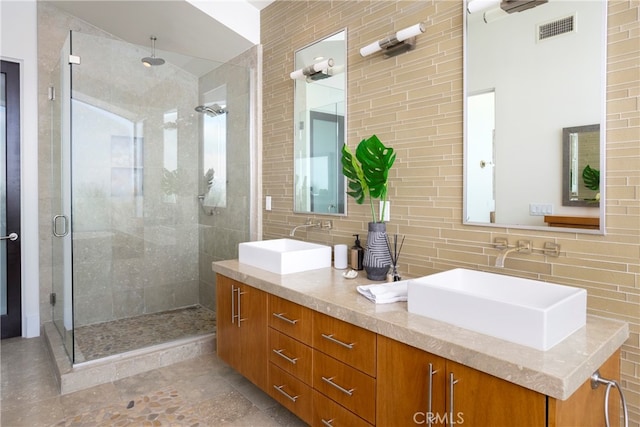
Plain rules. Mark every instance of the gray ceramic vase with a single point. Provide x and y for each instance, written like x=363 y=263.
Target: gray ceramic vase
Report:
x=377 y=260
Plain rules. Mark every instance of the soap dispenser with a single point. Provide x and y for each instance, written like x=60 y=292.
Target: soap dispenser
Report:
x=356 y=254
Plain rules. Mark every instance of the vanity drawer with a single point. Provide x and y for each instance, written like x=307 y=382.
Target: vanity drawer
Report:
x=346 y=342
x=290 y=355
x=291 y=393
x=347 y=386
x=327 y=412
x=290 y=318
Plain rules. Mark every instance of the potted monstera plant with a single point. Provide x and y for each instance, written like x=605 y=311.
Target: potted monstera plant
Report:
x=367 y=174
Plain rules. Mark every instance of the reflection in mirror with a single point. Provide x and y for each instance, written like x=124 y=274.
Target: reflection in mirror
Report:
x=319 y=134
x=214 y=134
x=528 y=76
x=581 y=170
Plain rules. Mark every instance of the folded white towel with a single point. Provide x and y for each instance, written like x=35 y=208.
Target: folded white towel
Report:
x=386 y=293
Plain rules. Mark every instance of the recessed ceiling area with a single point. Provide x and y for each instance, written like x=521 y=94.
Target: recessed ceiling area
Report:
x=178 y=25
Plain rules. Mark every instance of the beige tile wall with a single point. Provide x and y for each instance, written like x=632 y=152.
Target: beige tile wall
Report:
x=414 y=103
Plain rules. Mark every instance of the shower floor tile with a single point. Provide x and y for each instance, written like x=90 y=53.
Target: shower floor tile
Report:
x=119 y=336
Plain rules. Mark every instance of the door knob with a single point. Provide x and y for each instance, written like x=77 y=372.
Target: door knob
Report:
x=11 y=236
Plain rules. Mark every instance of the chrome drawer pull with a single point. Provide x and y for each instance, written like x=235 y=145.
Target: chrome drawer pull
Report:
x=327 y=423
x=233 y=305
x=287 y=395
x=240 y=319
x=284 y=356
x=339 y=387
x=281 y=317
x=452 y=383
x=432 y=372
x=332 y=339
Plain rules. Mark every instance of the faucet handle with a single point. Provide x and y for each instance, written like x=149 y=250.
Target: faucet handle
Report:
x=500 y=243
x=524 y=246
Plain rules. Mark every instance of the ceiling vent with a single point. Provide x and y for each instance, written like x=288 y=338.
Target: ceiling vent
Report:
x=556 y=27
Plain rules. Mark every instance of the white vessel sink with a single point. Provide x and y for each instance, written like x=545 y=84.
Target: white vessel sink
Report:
x=284 y=256
x=528 y=312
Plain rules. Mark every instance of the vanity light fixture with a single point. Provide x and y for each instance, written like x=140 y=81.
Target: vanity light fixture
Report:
x=478 y=5
x=400 y=42
x=500 y=9
x=319 y=70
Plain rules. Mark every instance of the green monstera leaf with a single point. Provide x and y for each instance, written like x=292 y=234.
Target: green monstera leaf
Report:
x=591 y=178
x=355 y=177
x=368 y=172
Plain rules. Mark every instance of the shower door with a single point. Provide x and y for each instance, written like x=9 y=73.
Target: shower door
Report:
x=60 y=107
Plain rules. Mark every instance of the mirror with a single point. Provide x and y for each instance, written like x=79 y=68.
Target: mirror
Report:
x=529 y=76
x=319 y=130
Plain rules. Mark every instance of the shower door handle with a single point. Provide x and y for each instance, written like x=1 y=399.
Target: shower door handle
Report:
x=55 y=225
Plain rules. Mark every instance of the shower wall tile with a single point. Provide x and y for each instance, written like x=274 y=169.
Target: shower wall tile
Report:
x=127 y=274
x=92 y=246
x=187 y=293
x=159 y=298
x=128 y=303
x=88 y=309
x=96 y=275
x=208 y=295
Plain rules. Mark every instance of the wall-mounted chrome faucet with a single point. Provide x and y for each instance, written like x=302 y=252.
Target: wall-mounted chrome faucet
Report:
x=309 y=224
x=312 y=223
x=523 y=247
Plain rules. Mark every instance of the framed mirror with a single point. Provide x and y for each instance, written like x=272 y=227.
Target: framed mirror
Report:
x=319 y=126
x=528 y=76
x=581 y=166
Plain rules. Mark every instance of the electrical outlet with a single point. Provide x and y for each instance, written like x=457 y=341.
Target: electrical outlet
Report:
x=267 y=203
x=540 y=209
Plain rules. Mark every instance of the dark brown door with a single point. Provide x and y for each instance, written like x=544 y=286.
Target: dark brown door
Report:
x=10 y=306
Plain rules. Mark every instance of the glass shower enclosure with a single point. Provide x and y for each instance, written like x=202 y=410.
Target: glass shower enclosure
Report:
x=129 y=230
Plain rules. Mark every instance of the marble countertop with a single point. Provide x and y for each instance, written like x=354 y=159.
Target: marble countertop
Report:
x=557 y=372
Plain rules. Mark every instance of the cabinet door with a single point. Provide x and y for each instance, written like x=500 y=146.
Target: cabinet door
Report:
x=411 y=382
x=242 y=329
x=253 y=333
x=226 y=329
x=479 y=399
x=585 y=407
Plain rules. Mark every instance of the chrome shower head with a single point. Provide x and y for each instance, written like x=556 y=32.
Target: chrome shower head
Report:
x=211 y=110
x=152 y=61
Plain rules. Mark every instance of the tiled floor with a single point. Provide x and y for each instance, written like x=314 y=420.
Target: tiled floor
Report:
x=199 y=392
x=105 y=339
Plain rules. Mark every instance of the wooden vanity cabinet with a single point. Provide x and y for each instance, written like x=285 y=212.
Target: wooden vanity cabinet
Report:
x=431 y=383
x=241 y=335
x=439 y=392
x=332 y=373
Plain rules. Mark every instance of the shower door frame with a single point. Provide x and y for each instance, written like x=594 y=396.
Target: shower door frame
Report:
x=61 y=298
